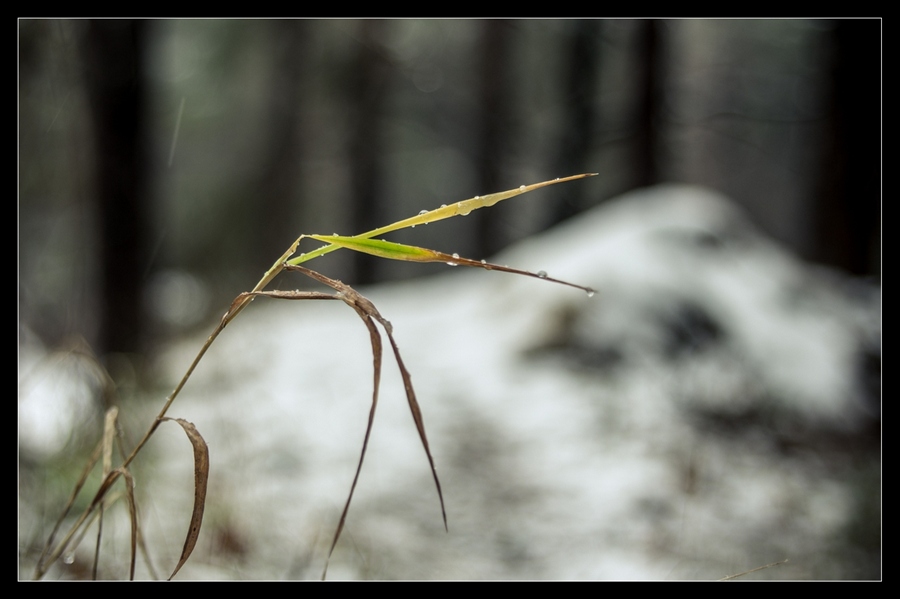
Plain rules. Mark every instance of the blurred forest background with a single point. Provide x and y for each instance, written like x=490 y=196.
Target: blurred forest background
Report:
x=165 y=164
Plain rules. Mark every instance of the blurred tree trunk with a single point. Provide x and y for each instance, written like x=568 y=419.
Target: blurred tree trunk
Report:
x=493 y=129
x=280 y=180
x=116 y=89
x=579 y=119
x=649 y=103
x=369 y=79
x=847 y=217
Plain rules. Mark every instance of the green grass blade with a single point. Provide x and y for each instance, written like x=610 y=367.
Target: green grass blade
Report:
x=382 y=248
x=447 y=211
x=411 y=253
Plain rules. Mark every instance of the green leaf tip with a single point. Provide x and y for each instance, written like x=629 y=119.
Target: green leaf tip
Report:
x=382 y=248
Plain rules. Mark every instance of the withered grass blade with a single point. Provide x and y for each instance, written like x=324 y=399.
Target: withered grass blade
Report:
x=376 y=360
x=109 y=438
x=377 y=352
x=132 y=512
x=417 y=415
x=367 y=311
x=201 y=479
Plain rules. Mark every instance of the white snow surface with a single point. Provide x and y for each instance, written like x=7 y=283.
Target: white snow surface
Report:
x=569 y=441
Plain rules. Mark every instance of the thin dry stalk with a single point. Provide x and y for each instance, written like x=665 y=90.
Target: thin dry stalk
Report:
x=733 y=576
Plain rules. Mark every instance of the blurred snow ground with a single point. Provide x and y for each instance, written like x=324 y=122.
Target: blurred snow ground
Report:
x=713 y=408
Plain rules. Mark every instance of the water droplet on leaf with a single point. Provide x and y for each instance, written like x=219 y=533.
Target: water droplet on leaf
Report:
x=521 y=188
x=591 y=292
x=542 y=274
x=421 y=212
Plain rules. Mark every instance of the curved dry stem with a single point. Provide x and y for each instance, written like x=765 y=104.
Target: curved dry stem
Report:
x=237 y=306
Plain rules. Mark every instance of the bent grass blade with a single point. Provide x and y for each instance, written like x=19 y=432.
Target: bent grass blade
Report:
x=411 y=253
x=201 y=480
x=367 y=311
x=461 y=208
x=447 y=211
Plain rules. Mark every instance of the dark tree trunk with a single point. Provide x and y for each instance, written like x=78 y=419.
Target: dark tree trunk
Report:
x=649 y=102
x=370 y=77
x=579 y=112
x=848 y=199
x=115 y=83
x=281 y=176
x=493 y=128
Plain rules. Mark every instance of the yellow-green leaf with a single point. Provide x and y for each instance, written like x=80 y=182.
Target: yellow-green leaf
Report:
x=447 y=211
x=383 y=249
